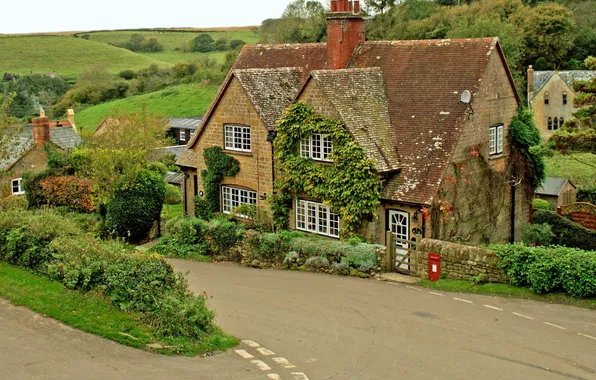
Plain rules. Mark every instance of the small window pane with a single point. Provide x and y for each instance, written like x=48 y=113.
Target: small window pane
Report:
x=492 y=141
x=182 y=135
x=550 y=123
x=500 y=139
x=556 y=126
x=316 y=146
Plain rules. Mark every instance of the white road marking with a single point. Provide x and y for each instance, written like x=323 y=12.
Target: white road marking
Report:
x=557 y=326
x=587 y=336
x=435 y=294
x=284 y=362
x=243 y=354
x=463 y=300
x=274 y=376
x=493 y=307
x=261 y=364
x=264 y=351
x=250 y=343
x=523 y=316
x=300 y=376
x=411 y=287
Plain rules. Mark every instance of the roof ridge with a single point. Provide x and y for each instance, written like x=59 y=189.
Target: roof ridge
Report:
x=271 y=69
x=431 y=41
x=287 y=45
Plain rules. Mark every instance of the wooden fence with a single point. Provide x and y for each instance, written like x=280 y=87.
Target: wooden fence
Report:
x=401 y=255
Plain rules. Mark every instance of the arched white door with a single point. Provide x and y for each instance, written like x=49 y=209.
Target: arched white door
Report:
x=399 y=225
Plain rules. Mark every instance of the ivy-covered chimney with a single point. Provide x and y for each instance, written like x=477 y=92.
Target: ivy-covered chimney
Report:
x=345 y=29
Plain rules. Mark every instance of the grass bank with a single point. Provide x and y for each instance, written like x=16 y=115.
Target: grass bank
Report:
x=506 y=290
x=565 y=166
x=92 y=313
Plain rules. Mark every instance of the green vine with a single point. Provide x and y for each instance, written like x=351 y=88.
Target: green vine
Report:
x=350 y=185
x=218 y=166
x=526 y=161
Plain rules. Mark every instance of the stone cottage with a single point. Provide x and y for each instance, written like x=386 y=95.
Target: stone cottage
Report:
x=444 y=164
x=551 y=95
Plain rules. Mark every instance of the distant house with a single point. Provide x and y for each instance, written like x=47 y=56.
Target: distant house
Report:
x=558 y=191
x=182 y=129
x=550 y=97
x=26 y=152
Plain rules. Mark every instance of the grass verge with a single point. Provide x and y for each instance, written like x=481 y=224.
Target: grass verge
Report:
x=506 y=290
x=92 y=313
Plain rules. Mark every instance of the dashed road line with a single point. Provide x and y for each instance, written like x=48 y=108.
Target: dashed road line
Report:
x=274 y=376
x=300 y=376
x=463 y=300
x=411 y=287
x=251 y=343
x=586 y=336
x=243 y=354
x=264 y=351
x=493 y=307
x=436 y=294
x=261 y=365
x=553 y=325
x=523 y=316
x=284 y=362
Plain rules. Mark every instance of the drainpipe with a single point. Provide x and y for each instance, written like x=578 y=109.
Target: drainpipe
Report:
x=185 y=197
x=513 y=186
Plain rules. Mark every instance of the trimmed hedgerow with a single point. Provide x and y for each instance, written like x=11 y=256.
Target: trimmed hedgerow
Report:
x=567 y=232
x=541 y=204
x=587 y=194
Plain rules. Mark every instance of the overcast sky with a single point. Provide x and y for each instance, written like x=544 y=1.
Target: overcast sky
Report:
x=21 y=16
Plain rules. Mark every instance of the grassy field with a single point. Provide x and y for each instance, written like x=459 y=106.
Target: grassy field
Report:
x=565 y=166
x=178 y=101
x=174 y=57
x=67 y=56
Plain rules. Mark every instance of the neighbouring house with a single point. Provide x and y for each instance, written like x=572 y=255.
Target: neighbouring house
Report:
x=182 y=129
x=550 y=97
x=444 y=164
x=174 y=178
x=558 y=191
x=27 y=153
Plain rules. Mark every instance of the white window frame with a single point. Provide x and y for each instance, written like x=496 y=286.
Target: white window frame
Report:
x=317 y=218
x=495 y=139
x=232 y=197
x=237 y=138
x=317 y=146
x=182 y=135
x=19 y=186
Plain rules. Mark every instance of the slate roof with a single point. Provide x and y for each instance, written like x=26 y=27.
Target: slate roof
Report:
x=271 y=91
x=541 y=77
x=63 y=137
x=553 y=186
x=188 y=158
x=359 y=97
x=189 y=123
x=174 y=178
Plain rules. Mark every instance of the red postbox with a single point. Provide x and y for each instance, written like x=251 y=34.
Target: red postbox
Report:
x=434 y=267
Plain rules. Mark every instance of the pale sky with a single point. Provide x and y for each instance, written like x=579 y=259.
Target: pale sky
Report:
x=22 y=16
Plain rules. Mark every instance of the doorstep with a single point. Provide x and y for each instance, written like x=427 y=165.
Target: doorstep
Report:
x=399 y=278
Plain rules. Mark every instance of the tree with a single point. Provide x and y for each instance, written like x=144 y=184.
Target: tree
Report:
x=380 y=6
x=203 y=43
x=302 y=21
x=7 y=133
x=585 y=100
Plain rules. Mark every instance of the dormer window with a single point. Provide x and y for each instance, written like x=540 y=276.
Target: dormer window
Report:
x=495 y=139
x=546 y=100
x=564 y=98
x=237 y=137
x=317 y=146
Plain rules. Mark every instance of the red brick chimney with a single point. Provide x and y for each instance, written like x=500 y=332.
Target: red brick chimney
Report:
x=345 y=29
x=41 y=131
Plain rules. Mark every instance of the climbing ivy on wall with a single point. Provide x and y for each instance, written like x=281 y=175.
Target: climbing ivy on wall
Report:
x=350 y=184
x=526 y=161
x=218 y=165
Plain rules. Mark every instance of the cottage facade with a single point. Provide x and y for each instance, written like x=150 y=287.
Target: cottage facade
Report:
x=400 y=101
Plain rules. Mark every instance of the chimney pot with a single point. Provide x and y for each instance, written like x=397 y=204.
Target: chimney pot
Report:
x=356 y=6
x=333 y=5
x=42 y=113
x=41 y=131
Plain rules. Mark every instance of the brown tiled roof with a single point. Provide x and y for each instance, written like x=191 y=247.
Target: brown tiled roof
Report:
x=358 y=95
x=271 y=91
x=423 y=82
x=188 y=158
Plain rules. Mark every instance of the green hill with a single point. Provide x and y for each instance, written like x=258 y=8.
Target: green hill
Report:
x=179 y=101
x=66 y=55
x=582 y=175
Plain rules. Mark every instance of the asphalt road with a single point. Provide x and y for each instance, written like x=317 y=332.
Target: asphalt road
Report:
x=329 y=327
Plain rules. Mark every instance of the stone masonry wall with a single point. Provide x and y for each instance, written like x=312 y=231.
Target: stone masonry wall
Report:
x=459 y=262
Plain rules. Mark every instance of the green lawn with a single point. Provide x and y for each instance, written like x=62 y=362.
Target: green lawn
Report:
x=66 y=55
x=92 y=313
x=172 y=211
x=506 y=290
x=178 y=101
x=564 y=166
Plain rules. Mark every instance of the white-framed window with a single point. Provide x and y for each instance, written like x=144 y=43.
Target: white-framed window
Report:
x=182 y=135
x=316 y=218
x=17 y=186
x=495 y=139
x=317 y=146
x=237 y=137
x=233 y=197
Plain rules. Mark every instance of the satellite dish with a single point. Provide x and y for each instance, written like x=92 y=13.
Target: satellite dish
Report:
x=466 y=96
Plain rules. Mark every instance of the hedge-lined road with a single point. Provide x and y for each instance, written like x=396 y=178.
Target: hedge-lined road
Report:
x=332 y=327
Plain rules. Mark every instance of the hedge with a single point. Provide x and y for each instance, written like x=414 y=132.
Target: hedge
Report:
x=587 y=194
x=567 y=232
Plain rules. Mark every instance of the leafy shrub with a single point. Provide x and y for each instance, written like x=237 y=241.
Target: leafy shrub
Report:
x=187 y=230
x=223 y=234
x=578 y=274
x=316 y=263
x=355 y=255
x=587 y=194
x=541 y=204
x=136 y=204
x=202 y=208
x=69 y=191
x=173 y=195
x=126 y=74
x=33 y=189
x=270 y=247
x=13 y=203
x=342 y=268
x=292 y=258
x=186 y=317
x=567 y=232
x=170 y=246
x=537 y=234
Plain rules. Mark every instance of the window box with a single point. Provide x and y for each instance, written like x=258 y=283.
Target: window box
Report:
x=316 y=218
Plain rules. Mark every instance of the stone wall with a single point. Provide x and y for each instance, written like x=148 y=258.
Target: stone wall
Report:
x=458 y=261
